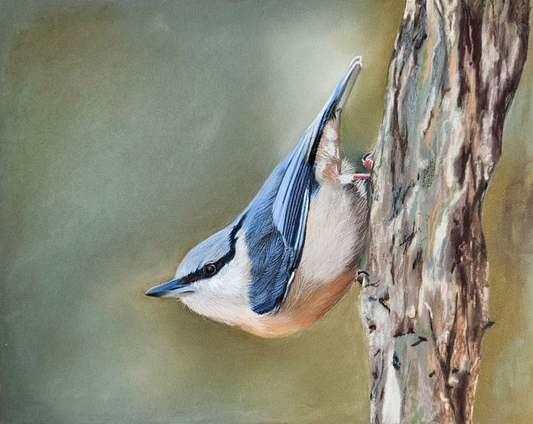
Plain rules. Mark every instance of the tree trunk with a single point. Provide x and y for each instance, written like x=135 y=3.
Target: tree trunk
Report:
x=453 y=75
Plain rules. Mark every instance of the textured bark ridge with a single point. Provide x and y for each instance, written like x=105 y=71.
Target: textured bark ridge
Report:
x=453 y=75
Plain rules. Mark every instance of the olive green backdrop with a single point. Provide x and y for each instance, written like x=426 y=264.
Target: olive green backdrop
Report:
x=130 y=130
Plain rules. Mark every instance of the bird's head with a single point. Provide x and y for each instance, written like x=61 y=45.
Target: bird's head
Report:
x=213 y=279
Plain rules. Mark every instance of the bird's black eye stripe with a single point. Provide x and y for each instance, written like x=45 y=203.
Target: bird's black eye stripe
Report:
x=212 y=268
x=209 y=269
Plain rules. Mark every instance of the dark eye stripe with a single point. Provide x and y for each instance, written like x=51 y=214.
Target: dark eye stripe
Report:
x=228 y=257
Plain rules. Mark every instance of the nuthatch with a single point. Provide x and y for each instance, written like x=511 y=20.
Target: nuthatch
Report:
x=293 y=253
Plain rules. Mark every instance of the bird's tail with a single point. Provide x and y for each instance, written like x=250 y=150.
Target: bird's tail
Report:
x=344 y=88
x=322 y=139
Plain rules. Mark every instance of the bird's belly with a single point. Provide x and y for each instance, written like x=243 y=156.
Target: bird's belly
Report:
x=334 y=240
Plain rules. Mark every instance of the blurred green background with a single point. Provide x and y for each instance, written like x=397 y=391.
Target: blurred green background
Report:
x=131 y=130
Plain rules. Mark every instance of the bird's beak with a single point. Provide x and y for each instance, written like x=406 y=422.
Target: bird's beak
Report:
x=171 y=289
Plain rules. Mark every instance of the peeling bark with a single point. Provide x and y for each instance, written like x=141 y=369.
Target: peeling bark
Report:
x=453 y=75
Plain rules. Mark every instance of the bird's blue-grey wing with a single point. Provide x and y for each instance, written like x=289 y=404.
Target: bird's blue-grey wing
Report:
x=291 y=203
x=275 y=239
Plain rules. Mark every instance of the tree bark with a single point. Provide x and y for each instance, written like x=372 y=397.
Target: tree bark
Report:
x=453 y=75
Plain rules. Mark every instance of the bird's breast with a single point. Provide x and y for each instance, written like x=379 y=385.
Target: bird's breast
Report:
x=333 y=244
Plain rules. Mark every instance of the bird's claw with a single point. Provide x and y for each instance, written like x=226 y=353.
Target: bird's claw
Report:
x=361 y=276
x=367 y=160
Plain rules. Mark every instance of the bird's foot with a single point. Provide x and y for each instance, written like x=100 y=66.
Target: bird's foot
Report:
x=362 y=277
x=367 y=160
x=360 y=177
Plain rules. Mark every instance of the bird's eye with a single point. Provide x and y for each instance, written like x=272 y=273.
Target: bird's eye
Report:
x=209 y=269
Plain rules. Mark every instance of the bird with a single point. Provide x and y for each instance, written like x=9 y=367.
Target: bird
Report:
x=293 y=253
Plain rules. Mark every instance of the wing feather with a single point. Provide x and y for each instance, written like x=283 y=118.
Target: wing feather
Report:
x=276 y=238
